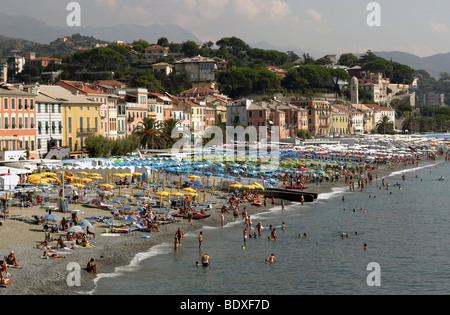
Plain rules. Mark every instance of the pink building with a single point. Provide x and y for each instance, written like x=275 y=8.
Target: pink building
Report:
x=258 y=116
x=136 y=108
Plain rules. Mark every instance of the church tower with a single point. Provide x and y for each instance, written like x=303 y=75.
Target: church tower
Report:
x=354 y=85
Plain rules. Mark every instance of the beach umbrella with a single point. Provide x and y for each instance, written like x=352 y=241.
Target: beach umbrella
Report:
x=50 y=217
x=86 y=223
x=194 y=176
x=162 y=193
x=106 y=186
x=258 y=185
x=75 y=229
x=189 y=189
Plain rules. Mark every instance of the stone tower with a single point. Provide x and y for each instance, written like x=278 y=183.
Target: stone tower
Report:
x=354 y=85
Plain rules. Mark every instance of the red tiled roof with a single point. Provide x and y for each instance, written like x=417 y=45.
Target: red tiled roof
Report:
x=200 y=90
x=378 y=107
x=155 y=47
x=82 y=87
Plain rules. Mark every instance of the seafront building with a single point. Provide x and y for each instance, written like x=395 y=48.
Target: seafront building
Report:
x=49 y=120
x=17 y=120
x=80 y=117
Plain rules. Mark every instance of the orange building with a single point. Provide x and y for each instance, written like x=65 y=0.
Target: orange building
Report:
x=17 y=120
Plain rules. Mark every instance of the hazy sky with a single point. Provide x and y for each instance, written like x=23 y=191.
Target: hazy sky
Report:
x=333 y=26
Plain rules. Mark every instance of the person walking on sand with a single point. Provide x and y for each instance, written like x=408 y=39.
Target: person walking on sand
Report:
x=282 y=205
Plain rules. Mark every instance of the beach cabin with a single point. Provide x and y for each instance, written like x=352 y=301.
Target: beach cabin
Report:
x=9 y=181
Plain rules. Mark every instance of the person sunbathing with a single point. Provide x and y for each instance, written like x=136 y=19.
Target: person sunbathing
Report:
x=50 y=255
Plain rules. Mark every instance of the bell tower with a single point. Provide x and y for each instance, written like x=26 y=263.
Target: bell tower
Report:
x=354 y=85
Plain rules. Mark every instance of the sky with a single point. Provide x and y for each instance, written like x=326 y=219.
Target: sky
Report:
x=332 y=26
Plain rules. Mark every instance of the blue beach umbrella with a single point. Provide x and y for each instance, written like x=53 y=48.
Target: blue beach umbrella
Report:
x=50 y=217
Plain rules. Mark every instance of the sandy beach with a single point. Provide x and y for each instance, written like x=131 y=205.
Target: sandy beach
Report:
x=49 y=276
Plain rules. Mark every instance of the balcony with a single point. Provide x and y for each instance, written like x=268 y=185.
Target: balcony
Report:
x=84 y=132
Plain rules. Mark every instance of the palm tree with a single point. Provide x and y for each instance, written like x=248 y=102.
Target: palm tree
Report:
x=168 y=126
x=385 y=126
x=149 y=133
x=410 y=124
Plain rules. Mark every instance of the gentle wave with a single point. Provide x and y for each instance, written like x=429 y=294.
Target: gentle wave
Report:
x=160 y=249
x=408 y=170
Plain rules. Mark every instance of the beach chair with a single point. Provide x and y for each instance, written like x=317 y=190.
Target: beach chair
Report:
x=142 y=228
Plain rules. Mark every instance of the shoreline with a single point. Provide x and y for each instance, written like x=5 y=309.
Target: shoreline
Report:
x=48 y=276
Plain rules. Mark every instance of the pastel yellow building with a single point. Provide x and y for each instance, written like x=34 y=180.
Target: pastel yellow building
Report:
x=340 y=121
x=80 y=118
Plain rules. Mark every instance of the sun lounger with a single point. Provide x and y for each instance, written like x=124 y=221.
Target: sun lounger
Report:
x=123 y=230
x=142 y=228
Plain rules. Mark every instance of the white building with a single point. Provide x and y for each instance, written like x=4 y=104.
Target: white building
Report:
x=49 y=127
x=380 y=112
x=237 y=112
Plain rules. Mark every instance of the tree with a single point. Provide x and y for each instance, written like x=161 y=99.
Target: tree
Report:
x=304 y=134
x=385 y=126
x=149 y=133
x=235 y=45
x=96 y=146
x=124 y=146
x=402 y=74
x=167 y=128
x=368 y=57
x=348 y=59
x=337 y=75
x=379 y=65
x=307 y=59
x=410 y=124
x=149 y=82
x=189 y=49
x=163 y=41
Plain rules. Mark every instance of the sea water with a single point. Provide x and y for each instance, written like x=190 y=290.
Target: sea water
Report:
x=406 y=231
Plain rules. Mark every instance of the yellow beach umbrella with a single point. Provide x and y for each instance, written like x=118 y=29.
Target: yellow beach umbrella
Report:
x=194 y=176
x=189 y=189
x=191 y=194
x=106 y=186
x=162 y=193
x=258 y=185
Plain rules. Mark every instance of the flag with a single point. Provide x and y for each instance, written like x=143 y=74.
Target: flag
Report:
x=141 y=155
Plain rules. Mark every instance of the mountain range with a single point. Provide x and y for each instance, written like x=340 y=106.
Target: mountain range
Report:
x=25 y=27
